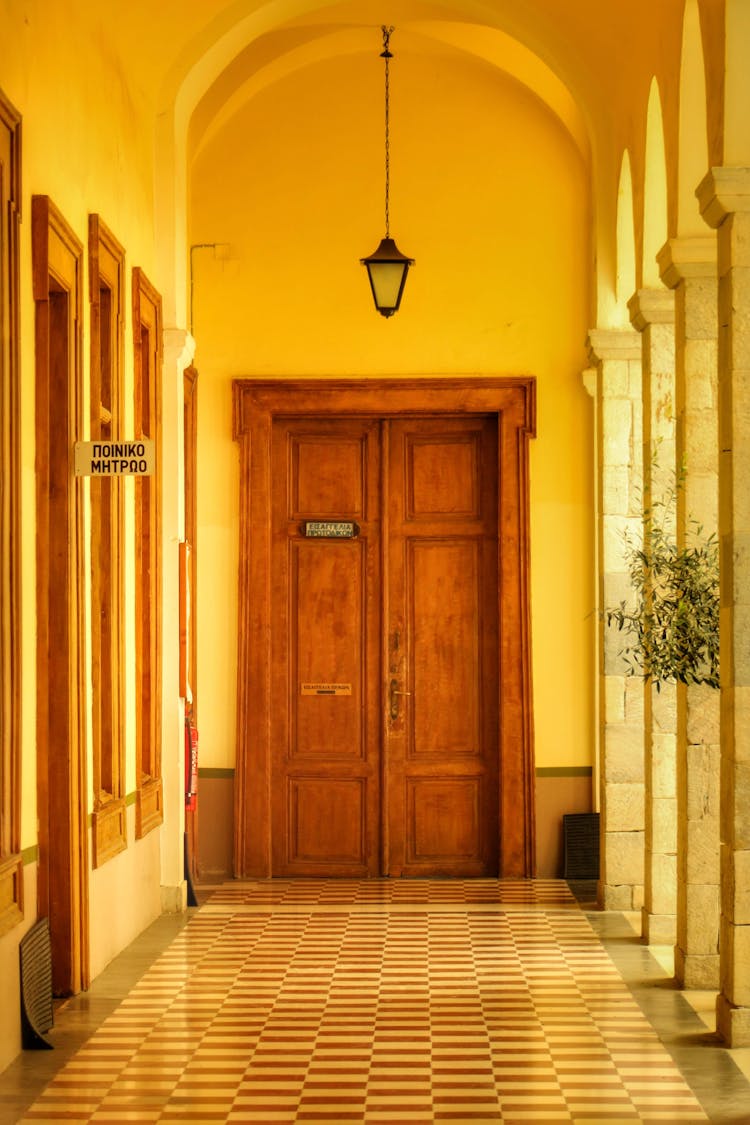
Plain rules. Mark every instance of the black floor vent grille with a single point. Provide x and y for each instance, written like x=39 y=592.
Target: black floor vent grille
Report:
x=581 y=839
x=35 y=954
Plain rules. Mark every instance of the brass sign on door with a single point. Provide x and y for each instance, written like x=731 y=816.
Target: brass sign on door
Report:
x=326 y=689
x=330 y=529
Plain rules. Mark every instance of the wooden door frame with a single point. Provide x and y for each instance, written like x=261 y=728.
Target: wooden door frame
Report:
x=11 y=859
x=146 y=308
x=189 y=602
x=256 y=404
x=62 y=792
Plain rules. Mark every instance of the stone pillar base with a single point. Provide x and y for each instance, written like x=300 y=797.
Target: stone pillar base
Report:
x=174 y=899
x=732 y=1023
x=658 y=929
x=620 y=897
x=695 y=970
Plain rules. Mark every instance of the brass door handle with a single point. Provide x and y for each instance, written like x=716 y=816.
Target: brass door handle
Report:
x=395 y=693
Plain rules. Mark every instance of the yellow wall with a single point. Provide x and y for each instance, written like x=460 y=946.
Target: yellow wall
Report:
x=104 y=166
x=88 y=144
x=490 y=195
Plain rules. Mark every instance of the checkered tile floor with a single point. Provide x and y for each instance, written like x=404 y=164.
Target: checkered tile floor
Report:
x=377 y=1002
x=547 y=893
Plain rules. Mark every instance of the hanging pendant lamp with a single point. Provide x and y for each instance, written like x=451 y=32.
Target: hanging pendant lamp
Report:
x=387 y=267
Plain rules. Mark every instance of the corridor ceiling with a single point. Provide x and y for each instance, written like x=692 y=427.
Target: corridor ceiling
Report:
x=589 y=60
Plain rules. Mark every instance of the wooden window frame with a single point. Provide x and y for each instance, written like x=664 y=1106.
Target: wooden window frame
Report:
x=147 y=354
x=62 y=791
x=107 y=315
x=11 y=863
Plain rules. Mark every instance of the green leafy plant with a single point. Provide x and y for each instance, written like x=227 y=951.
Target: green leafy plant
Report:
x=672 y=623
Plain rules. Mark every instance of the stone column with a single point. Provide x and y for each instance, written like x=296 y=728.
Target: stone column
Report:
x=178 y=349
x=652 y=314
x=616 y=357
x=724 y=197
x=689 y=267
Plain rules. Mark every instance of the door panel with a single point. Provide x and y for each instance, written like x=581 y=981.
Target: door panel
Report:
x=444 y=822
x=327 y=821
x=441 y=472
x=328 y=473
x=325 y=717
x=442 y=607
x=325 y=647
x=286 y=802
x=397 y=773
x=443 y=582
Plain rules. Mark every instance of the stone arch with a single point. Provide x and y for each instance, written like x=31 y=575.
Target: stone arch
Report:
x=626 y=258
x=693 y=162
x=712 y=31
x=257 y=35
x=655 y=228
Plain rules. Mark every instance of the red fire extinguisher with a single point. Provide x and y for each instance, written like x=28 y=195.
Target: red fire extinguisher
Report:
x=191 y=765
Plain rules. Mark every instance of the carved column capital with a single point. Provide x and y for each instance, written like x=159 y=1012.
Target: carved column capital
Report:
x=613 y=344
x=723 y=191
x=683 y=259
x=651 y=306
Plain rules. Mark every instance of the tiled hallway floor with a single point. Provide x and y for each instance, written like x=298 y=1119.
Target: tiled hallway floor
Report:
x=419 y=1001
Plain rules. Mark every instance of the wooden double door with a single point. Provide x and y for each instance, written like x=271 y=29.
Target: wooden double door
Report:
x=384 y=682
x=384 y=718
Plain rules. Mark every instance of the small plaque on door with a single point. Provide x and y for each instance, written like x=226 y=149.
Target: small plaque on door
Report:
x=330 y=529
x=326 y=689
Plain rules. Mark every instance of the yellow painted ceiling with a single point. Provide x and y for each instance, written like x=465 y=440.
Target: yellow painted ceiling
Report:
x=590 y=59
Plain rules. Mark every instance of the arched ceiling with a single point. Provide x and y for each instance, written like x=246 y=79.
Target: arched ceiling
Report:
x=590 y=61
x=275 y=54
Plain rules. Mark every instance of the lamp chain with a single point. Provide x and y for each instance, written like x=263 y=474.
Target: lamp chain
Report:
x=386 y=54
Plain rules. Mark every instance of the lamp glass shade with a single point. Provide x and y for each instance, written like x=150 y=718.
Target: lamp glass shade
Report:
x=387 y=268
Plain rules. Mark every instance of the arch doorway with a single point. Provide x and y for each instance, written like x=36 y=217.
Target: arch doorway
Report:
x=384 y=710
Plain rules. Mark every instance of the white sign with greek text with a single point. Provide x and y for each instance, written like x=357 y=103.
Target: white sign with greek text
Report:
x=115 y=458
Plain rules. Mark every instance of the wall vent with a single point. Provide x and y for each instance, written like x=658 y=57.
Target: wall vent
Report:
x=35 y=953
x=581 y=840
